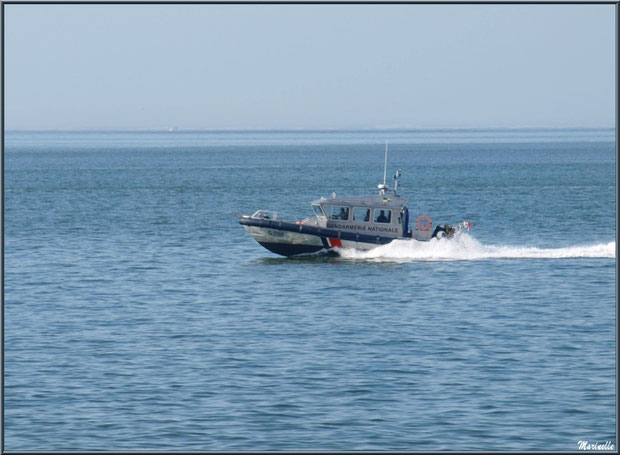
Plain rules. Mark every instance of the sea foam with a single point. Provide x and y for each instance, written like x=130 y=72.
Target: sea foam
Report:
x=464 y=247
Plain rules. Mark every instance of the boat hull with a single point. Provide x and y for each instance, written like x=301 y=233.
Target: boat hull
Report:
x=289 y=239
x=290 y=249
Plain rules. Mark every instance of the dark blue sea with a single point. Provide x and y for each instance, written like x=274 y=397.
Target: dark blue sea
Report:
x=140 y=315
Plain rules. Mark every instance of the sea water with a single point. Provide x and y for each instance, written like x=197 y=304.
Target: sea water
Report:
x=140 y=315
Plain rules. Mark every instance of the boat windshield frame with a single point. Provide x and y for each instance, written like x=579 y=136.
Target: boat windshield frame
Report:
x=318 y=210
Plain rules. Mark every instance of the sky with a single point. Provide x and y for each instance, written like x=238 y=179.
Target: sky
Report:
x=76 y=67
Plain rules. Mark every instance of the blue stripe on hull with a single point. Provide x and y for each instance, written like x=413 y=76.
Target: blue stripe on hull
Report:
x=321 y=232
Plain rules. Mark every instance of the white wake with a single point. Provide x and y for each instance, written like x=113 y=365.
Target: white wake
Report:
x=463 y=247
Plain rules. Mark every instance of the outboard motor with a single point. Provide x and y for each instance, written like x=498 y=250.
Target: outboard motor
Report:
x=442 y=231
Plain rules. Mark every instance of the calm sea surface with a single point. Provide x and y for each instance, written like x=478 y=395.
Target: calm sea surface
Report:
x=140 y=315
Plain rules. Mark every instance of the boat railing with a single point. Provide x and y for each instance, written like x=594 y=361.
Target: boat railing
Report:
x=271 y=215
x=265 y=215
x=311 y=220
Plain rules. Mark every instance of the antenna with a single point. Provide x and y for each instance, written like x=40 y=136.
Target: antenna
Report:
x=385 y=162
x=396 y=177
x=383 y=187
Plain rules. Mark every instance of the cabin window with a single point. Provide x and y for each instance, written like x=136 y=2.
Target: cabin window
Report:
x=336 y=212
x=383 y=216
x=361 y=214
x=317 y=210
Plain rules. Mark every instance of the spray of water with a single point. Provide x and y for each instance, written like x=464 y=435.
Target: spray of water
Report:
x=463 y=247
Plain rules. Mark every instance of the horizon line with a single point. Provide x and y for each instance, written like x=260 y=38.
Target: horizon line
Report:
x=303 y=130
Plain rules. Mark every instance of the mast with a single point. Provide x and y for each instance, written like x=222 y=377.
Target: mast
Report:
x=396 y=177
x=385 y=162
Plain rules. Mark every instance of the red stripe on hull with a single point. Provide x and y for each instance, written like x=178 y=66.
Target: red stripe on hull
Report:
x=335 y=243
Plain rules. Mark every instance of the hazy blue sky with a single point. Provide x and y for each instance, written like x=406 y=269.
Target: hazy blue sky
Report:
x=207 y=66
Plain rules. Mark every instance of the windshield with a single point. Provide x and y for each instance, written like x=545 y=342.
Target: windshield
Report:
x=317 y=210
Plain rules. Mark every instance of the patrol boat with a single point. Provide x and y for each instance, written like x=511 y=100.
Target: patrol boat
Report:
x=362 y=223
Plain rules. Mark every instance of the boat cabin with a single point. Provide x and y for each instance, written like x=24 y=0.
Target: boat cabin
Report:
x=385 y=215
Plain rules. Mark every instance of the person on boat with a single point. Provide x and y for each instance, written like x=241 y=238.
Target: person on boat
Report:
x=382 y=218
x=343 y=214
